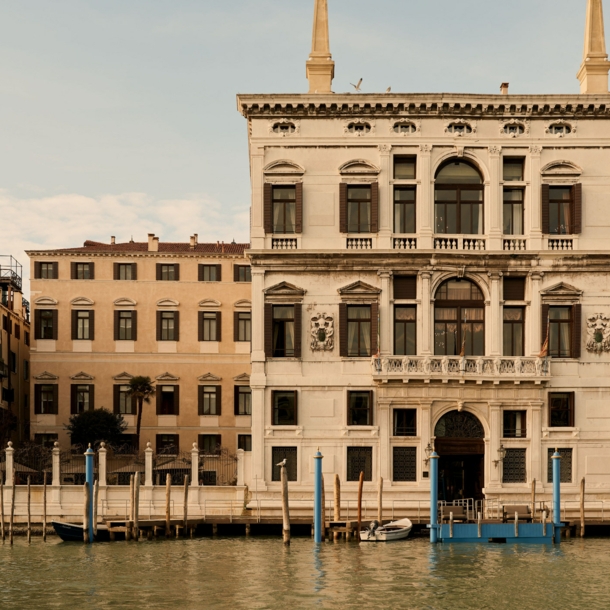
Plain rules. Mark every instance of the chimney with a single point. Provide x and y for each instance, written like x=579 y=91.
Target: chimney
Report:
x=504 y=88
x=112 y=240
x=193 y=241
x=153 y=243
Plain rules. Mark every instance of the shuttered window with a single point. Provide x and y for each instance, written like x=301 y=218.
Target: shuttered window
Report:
x=125 y=271
x=46 y=399
x=81 y=398
x=82 y=271
x=514 y=288
x=168 y=400
x=405 y=287
x=45 y=324
x=168 y=273
x=243 y=400
x=125 y=325
x=168 y=326
x=242 y=322
x=210 y=402
x=83 y=325
x=210 y=273
x=563 y=324
x=562 y=209
x=210 y=326
x=45 y=271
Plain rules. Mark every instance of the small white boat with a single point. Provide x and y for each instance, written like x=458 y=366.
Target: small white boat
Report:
x=397 y=530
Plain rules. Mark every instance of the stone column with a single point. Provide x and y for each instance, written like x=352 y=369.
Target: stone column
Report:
x=258 y=315
x=240 y=467
x=424 y=326
x=257 y=160
x=495 y=423
x=425 y=199
x=495 y=315
x=258 y=436
x=533 y=320
x=9 y=464
x=494 y=205
x=195 y=466
x=385 y=431
x=148 y=465
x=384 y=240
x=385 y=314
x=537 y=459
x=102 y=470
x=533 y=201
x=56 y=466
x=426 y=432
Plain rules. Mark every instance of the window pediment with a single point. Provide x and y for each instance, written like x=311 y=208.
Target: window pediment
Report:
x=125 y=302
x=243 y=378
x=82 y=302
x=82 y=376
x=562 y=292
x=124 y=376
x=359 y=289
x=45 y=301
x=167 y=377
x=283 y=167
x=46 y=376
x=167 y=303
x=243 y=304
x=209 y=377
x=285 y=289
x=209 y=303
x=359 y=167
x=561 y=169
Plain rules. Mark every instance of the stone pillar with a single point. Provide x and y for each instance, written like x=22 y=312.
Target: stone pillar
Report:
x=148 y=465
x=9 y=464
x=424 y=326
x=102 y=471
x=240 y=468
x=426 y=432
x=257 y=160
x=495 y=424
x=425 y=199
x=494 y=205
x=538 y=460
x=258 y=315
x=533 y=201
x=384 y=239
x=385 y=314
x=56 y=465
x=385 y=431
x=495 y=328
x=533 y=320
x=195 y=466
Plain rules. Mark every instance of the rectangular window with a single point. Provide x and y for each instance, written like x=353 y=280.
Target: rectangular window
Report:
x=513 y=211
x=513 y=466
x=561 y=202
x=404 y=210
x=359 y=408
x=82 y=399
x=514 y=288
x=167 y=273
x=359 y=331
x=243 y=273
x=168 y=326
x=283 y=331
x=514 y=331
x=210 y=444
x=209 y=273
x=244 y=441
x=209 y=403
x=459 y=210
x=210 y=326
x=168 y=444
x=17 y=331
x=125 y=403
x=126 y=326
x=284 y=408
x=565 y=465
x=359 y=459
x=513 y=169
x=405 y=168
x=560 y=332
x=243 y=400
x=46 y=440
x=284 y=209
x=244 y=326
x=278 y=455
x=82 y=271
x=167 y=397
x=561 y=409
x=125 y=271
x=405 y=287
x=48 y=320
x=46 y=271
x=46 y=399
x=83 y=325
x=359 y=209
x=405 y=331
x=404 y=464
x=405 y=422
x=515 y=424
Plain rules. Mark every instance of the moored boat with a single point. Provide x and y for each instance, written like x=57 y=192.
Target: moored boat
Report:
x=397 y=530
x=73 y=532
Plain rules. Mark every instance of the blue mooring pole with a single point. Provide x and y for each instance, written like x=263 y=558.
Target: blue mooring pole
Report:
x=434 y=497
x=317 y=508
x=557 y=495
x=89 y=455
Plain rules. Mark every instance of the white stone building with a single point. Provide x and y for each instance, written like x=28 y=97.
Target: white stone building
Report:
x=411 y=256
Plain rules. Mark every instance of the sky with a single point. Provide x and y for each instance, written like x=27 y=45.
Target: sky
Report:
x=119 y=117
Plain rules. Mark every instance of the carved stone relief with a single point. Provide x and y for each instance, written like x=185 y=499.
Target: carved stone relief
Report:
x=322 y=332
x=598 y=334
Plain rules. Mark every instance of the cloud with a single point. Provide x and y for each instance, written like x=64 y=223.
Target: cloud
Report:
x=64 y=221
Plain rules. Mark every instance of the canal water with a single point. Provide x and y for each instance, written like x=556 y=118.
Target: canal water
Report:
x=253 y=573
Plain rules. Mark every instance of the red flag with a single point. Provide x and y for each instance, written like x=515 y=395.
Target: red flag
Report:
x=544 y=352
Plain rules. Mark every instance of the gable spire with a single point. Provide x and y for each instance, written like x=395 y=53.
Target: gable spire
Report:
x=320 y=65
x=593 y=73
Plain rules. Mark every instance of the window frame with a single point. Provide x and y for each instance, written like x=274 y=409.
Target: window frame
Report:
x=243 y=273
x=554 y=329
x=275 y=408
x=409 y=431
x=164 y=334
x=244 y=324
x=244 y=439
x=281 y=229
x=556 y=202
x=512 y=430
x=280 y=453
x=175 y=409
x=362 y=229
x=403 y=206
x=570 y=409
x=212 y=393
x=238 y=392
x=511 y=204
x=120 y=317
x=352 y=475
x=458 y=203
x=353 y=410
x=516 y=451
x=513 y=324
x=201 y=438
x=359 y=322
x=209 y=322
x=281 y=324
x=400 y=160
x=508 y=161
x=412 y=453
x=407 y=324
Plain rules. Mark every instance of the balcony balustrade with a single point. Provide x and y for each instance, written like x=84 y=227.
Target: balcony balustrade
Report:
x=458 y=242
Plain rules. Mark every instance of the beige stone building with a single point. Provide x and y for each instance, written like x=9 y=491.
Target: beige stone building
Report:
x=179 y=313
x=14 y=353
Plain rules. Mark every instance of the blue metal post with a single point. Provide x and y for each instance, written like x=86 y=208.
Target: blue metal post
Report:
x=557 y=495
x=89 y=455
x=434 y=497
x=317 y=509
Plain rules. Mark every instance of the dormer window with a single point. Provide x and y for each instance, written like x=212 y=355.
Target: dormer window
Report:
x=459 y=129
x=405 y=127
x=359 y=128
x=284 y=128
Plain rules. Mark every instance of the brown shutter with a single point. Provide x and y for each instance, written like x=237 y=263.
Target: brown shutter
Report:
x=200 y=400
x=343 y=208
x=235 y=326
x=235 y=400
x=545 y=321
x=236 y=273
x=91 y=271
x=55 y=270
x=514 y=288
x=37 y=325
x=115 y=271
x=176 y=326
x=134 y=325
x=219 y=326
x=116 y=397
x=577 y=215
x=176 y=400
x=546 y=221
x=298 y=326
x=159 y=272
x=116 y=325
x=55 y=325
x=73 y=399
x=371 y=409
x=343 y=330
x=405 y=287
x=37 y=398
x=158 y=400
x=268 y=330
x=73 y=270
x=92 y=325
x=158 y=326
x=37 y=273
x=374 y=328
x=268 y=207
x=200 y=273
x=219 y=273
x=296 y=408
x=298 y=225
x=74 y=325
x=576 y=331
x=200 y=326
x=177 y=272
x=55 y=399
x=91 y=397
x=219 y=400
x=375 y=207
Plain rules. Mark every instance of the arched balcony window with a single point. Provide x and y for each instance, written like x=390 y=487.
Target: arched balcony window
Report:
x=458 y=196
x=459 y=319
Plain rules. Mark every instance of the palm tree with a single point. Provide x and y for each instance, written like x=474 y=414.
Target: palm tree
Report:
x=140 y=388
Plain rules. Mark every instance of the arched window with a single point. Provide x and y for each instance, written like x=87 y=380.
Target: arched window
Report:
x=459 y=319
x=458 y=197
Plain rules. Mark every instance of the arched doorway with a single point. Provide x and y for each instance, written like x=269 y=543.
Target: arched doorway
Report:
x=461 y=447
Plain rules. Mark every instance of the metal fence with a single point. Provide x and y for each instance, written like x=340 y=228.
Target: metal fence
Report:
x=121 y=463
x=32 y=461
x=219 y=468
x=72 y=466
x=171 y=461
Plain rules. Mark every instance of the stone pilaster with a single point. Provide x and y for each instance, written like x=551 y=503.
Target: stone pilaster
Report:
x=496 y=315
x=425 y=199
x=533 y=200
x=494 y=205
x=533 y=321
x=424 y=326
x=385 y=314
x=385 y=199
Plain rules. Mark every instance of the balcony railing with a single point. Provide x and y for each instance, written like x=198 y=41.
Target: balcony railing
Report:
x=481 y=368
x=359 y=243
x=405 y=243
x=284 y=243
x=560 y=244
x=11 y=270
x=458 y=242
x=514 y=244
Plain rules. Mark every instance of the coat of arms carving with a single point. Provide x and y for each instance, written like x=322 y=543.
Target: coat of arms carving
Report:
x=598 y=334
x=322 y=332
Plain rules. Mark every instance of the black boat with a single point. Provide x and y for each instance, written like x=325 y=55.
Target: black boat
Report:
x=72 y=532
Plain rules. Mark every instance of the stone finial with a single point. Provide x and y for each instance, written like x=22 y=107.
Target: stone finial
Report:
x=320 y=65
x=195 y=447
x=148 y=445
x=10 y=444
x=593 y=73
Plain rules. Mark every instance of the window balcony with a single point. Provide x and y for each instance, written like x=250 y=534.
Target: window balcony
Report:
x=459 y=242
x=359 y=243
x=284 y=243
x=561 y=244
x=514 y=244
x=405 y=243
x=444 y=368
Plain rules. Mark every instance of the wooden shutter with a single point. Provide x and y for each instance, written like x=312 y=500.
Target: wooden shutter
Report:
x=37 y=398
x=236 y=326
x=159 y=274
x=343 y=208
x=116 y=325
x=158 y=400
x=200 y=399
x=577 y=209
x=37 y=325
x=298 y=326
x=218 y=400
x=546 y=221
x=298 y=226
x=200 y=326
x=74 y=325
x=514 y=288
x=268 y=330
x=55 y=325
x=134 y=271
x=374 y=328
x=343 y=330
x=91 y=397
x=73 y=270
x=176 y=326
x=375 y=207
x=235 y=400
x=158 y=326
x=219 y=326
x=134 y=325
x=176 y=400
x=37 y=273
x=177 y=272
x=55 y=399
x=55 y=270
x=116 y=398
x=405 y=287
x=91 y=271
x=545 y=321
x=576 y=331
x=73 y=399
x=116 y=273
x=296 y=408
x=200 y=273
x=236 y=273
x=268 y=207
x=219 y=273
x=92 y=325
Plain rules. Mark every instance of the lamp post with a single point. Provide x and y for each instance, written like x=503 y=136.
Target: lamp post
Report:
x=428 y=450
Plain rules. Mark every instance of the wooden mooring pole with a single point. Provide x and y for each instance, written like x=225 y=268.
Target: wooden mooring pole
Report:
x=29 y=509
x=533 y=500
x=323 y=510
x=186 y=503
x=2 y=504
x=12 y=517
x=87 y=499
x=337 y=513
x=136 y=507
x=582 y=508
x=380 y=502
x=44 y=507
x=285 y=506
x=129 y=524
x=168 y=510
x=360 y=486
x=96 y=491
